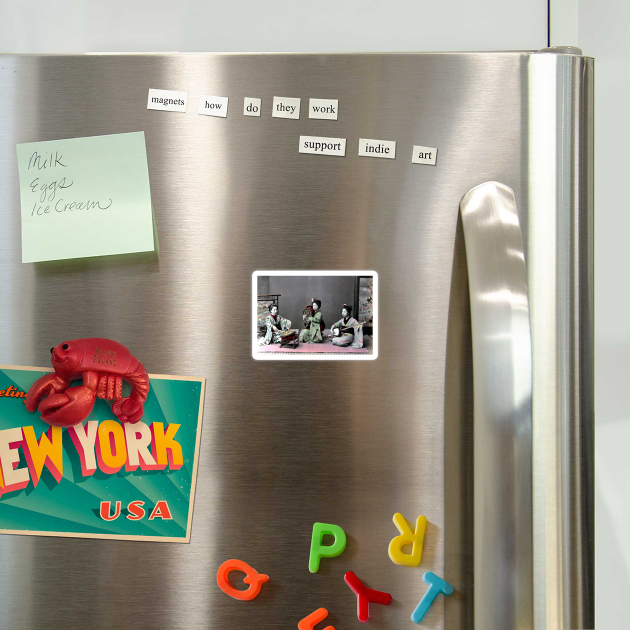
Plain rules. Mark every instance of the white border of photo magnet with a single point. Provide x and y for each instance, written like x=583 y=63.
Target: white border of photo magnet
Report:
x=264 y=356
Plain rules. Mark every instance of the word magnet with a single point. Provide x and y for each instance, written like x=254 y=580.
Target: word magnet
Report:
x=252 y=577
x=319 y=551
x=285 y=107
x=365 y=595
x=424 y=155
x=436 y=586
x=213 y=106
x=251 y=106
x=407 y=537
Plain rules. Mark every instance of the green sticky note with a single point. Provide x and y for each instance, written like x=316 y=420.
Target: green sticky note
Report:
x=85 y=197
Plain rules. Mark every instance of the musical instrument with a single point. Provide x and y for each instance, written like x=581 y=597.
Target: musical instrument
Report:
x=309 y=311
x=289 y=338
x=347 y=329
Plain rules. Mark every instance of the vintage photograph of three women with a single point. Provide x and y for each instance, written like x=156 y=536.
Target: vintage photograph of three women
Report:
x=315 y=314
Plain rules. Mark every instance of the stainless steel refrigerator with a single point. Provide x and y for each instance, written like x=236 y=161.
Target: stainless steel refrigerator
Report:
x=477 y=411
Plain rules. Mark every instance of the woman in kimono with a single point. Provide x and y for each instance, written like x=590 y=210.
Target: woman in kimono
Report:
x=275 y=325
x=354 y=336
x=313 y=331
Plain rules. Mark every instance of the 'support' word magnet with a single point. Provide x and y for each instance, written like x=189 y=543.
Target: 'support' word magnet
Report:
x=252 y=577
x=365 y=596
x=436 y=586
x=407 y=537
x=319 y=551
x=308 y=623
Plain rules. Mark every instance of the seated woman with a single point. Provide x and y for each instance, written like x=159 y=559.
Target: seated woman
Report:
x=275 y=325
x=313 y=331
x=347 y=330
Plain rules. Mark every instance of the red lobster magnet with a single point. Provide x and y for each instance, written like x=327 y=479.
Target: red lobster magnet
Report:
x=102 y=364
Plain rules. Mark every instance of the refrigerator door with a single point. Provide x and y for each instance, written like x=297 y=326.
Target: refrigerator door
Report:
x=287 y=444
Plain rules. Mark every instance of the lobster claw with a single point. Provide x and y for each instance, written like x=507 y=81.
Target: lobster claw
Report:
x=68 y=408
x=43 y=386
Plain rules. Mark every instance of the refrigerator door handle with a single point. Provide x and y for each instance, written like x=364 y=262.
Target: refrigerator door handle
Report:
x=502 y=374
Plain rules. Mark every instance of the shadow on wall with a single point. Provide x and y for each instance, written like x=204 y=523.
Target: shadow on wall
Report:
x=296 y=293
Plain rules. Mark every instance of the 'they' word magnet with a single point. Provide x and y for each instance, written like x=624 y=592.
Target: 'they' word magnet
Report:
x=251 y=106
x=213 y=105
x=377 y=148
x=424 y=155
x=285 y=107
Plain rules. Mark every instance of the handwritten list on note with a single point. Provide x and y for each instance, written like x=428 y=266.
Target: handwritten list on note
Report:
x=84 y=197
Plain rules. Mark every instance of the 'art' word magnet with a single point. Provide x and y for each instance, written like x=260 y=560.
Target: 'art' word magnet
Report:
x=309 y=623
x=436 y=586
x=365 y=596
x=252 y=577
x=407 y=537
x=319 y=551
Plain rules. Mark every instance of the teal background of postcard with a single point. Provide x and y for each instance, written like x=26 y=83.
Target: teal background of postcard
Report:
x=72 y=505
x=101 y=168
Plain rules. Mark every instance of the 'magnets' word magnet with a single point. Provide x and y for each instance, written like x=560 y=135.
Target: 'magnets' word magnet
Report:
x=252 y=577
x=308 y=623
x=365 y=596
x=436 y=586
x=319 y=551
x=407 y=537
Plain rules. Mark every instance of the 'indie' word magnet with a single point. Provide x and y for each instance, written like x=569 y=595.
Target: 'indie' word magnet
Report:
x=252 y=577
x=407 y=537
x=436 y=586
x=319 y=551
x=365 y=595
x=309 y=623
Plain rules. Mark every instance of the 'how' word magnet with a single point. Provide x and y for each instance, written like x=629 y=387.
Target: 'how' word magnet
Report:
x=436 y=586
x=308 y=623
x=365 y=595
x=252 y=577
x=319 y=551
x=407 y=537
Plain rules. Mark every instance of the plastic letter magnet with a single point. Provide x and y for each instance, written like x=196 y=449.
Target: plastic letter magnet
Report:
x=365 y=596
x=407 y=537
x=319 y=551
x=252 y=577
x=436 y=586
x=308 y=623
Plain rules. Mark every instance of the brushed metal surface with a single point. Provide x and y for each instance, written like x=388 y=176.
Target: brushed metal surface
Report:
x=502 y=368
x=560 y=276
x=282 y=445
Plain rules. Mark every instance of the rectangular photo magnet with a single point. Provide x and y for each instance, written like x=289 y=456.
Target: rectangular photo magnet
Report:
x=315 y=315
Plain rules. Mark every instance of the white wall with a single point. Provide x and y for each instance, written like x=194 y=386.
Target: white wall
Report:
x=603 y=27
x=36 y=26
